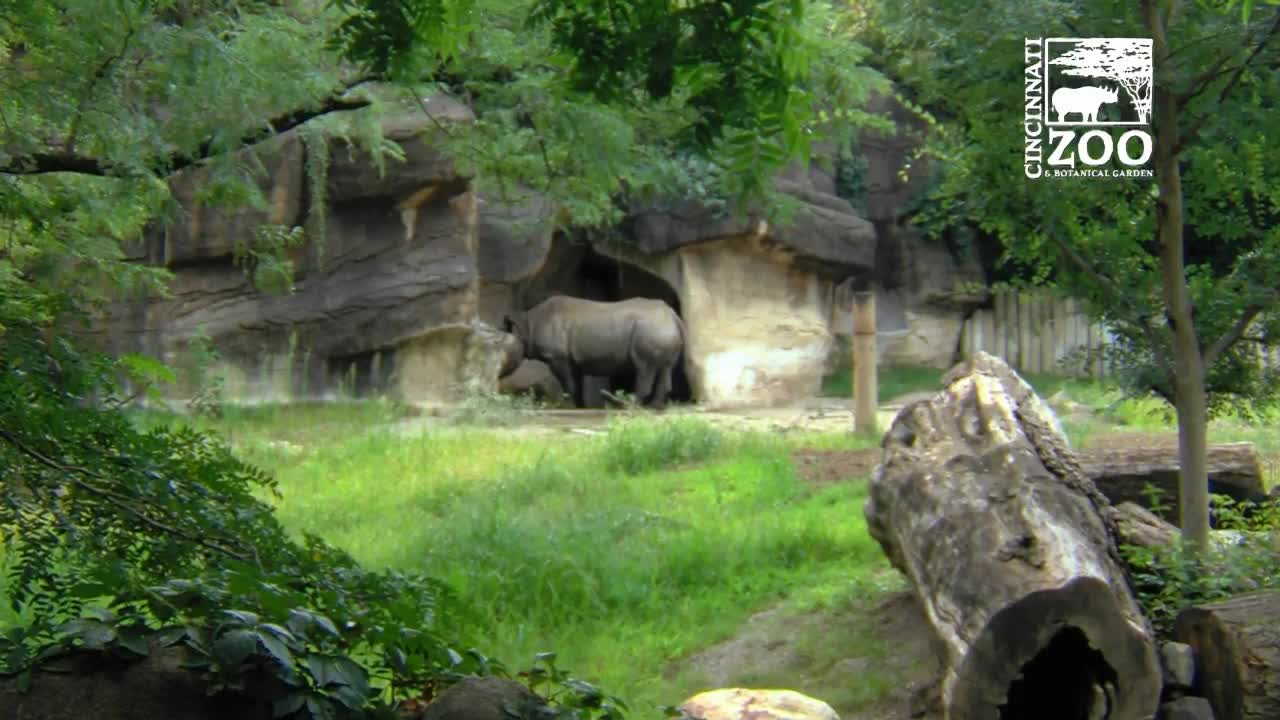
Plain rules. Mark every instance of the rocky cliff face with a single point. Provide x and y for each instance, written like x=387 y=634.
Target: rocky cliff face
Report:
x=417 y=268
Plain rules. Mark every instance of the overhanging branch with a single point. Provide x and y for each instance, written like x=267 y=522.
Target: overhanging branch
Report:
x=65 y=162
x=1236 y=332
x=1193 y=131
x=1121 y=298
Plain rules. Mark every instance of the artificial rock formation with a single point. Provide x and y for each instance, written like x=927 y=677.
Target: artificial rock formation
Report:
x=1013 y=554
x=412 y=257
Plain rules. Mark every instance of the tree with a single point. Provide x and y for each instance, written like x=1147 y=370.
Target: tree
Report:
x=101 y=102
x=1184 y=311
x=1128 y=64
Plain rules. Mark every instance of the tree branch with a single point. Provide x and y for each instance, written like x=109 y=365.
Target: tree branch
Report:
x=1236 y=333
x=1197 y=125
x=43 y=163
x=1122 y=299
x=114 y=498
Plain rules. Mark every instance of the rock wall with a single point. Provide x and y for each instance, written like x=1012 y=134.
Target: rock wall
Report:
x=386 y=301
x=416 y=269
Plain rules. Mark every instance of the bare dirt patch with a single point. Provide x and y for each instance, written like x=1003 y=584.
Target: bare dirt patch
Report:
x=866 y=660
x=829 y=467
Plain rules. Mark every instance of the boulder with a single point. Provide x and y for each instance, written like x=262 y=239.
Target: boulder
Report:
x=1012 y=552
x=758 y=327
x=483 y=698
x=748 y=704
x=93 y=684
x=1179 y=664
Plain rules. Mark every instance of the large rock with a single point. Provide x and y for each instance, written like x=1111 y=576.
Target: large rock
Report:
x=758 y=326
x=92 y=684
x=483 y=698
x=749 y=704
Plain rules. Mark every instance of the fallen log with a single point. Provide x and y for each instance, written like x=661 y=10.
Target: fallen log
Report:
x=1237 y=652
x=1122 y=473
x=1013 y=555
x=1139 y=526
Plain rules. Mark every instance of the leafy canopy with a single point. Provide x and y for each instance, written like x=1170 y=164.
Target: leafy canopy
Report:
x=120 y=539
x=1094 y=237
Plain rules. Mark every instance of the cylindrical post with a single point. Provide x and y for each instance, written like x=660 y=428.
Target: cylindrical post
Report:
x=864 y=363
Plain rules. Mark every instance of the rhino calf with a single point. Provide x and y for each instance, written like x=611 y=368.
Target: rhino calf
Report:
x=576 y=337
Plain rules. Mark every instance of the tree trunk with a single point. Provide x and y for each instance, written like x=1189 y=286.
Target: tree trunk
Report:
x=1233 y=469
x=1188 y=363
x=1012 y=553
x=1237 y=651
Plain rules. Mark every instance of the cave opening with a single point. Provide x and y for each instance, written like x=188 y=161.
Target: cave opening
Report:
x=1067 y=680
x=610 y=280
x=362 y=375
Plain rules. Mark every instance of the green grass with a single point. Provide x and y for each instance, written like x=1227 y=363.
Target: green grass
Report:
x=623 y=552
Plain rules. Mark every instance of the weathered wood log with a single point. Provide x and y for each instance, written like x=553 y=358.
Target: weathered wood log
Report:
x=1012 y=553
x=1121 y=473
x=1139 y=526
x=1237 y=651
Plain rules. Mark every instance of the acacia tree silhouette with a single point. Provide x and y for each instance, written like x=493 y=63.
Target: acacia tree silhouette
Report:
x=1125 y=61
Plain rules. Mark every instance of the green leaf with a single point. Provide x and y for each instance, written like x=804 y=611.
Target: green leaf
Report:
x=244 y=616
x=165 y=637
x=234 y=647
x=276 y=647
x=289 y=704
x=134 y=639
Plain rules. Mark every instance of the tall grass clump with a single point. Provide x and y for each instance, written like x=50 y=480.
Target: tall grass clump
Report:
x=634 y=446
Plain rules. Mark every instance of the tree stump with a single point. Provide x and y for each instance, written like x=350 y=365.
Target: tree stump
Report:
x=1012 y=553
x=1237 y=652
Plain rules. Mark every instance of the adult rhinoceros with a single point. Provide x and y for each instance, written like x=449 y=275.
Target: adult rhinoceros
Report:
x=577 y=337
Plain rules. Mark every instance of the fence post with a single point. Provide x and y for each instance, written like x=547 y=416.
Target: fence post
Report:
x=864 y=363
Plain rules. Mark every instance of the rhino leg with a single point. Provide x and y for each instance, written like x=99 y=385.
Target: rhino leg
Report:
x=564 y=373
x=662 y=390
x=644 y=383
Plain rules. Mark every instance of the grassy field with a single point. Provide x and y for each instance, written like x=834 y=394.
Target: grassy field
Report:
x=629 y=551
x=622 y=552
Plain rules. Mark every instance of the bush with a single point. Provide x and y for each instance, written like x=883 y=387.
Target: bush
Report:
x=1245 y=556
x=118 y=538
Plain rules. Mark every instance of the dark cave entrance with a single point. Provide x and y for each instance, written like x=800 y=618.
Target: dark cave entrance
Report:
x=1065 y=681
x=362 y=375
x=607 y=279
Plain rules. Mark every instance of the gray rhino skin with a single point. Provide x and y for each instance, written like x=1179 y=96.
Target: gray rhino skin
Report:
x=577 y=337
x=512 y=355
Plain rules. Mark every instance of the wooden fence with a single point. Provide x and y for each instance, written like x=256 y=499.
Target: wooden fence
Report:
x=1038 y=333
x=1045 y=333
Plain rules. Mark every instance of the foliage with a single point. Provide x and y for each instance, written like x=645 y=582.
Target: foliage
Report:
x=1092 y=236
x=1169 y=579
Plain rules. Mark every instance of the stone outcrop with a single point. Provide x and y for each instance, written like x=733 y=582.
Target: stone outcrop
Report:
x=415 y=268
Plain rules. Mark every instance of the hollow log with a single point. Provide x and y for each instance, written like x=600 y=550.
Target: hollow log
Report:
x=1121 y=473
x=1013 y=554
x=1237 y=652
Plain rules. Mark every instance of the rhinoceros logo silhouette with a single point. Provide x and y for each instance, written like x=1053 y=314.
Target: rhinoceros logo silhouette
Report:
x=1119 y=63
x=1086 y=101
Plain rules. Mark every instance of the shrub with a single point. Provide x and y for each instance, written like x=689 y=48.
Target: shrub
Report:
x=1244 y=557
x=119 y=538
